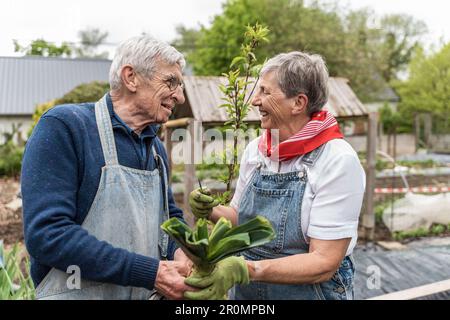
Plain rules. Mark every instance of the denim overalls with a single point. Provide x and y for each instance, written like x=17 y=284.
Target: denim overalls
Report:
x=278 y=197
x=127 y=212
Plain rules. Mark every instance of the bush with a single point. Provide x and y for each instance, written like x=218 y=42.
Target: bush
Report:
x=11 y=159
x=437 y=229
x=176 y=177
x=379 y=211
x=11 y=153
x=401 y=235
x=86 y=92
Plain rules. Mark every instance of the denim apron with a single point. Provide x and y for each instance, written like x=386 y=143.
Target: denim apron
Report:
x=127 y=212
x=278 y=197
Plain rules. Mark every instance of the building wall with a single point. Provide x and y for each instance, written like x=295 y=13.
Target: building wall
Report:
x=6 y=123
x=440 y=143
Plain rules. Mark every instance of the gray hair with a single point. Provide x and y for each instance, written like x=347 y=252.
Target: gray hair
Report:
x=299 y=72
x=142 y=53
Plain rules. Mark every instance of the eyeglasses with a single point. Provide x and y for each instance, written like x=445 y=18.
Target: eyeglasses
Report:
x=172 y=81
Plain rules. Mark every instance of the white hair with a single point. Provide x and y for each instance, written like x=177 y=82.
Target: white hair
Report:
x=299 y=72
x=142 y=53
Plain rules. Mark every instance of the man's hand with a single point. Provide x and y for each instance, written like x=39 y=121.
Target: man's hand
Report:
x=180 y=256
x=226 y=274
x=202 y=203
x=170 y=280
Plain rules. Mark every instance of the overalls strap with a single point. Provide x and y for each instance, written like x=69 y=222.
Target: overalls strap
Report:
x=164 y=238
x=106 y=132
x=311 y=157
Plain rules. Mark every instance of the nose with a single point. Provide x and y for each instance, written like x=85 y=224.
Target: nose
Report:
x=179 y=95
x=256 y=100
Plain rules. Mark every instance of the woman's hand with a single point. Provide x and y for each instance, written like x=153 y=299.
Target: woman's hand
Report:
x=227 y=273
x=202 y=203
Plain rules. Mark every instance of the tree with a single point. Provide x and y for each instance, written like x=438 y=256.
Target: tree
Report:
x=91 y=39
x=393 y=123
x=40 y=47
x=186 y=40
x=355 y=44
x=428 y=87
x=237 y=99
x=399 y=36
x=290 y=22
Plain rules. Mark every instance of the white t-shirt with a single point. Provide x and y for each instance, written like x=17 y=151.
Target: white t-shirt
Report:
x=334 y=191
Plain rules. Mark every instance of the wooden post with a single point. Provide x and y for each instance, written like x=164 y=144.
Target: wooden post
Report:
x=368 y=219
x=417 y=130
x=427 y=129
x=380 y=136
x=394 y=147
x=189 y=166
x=389 y=144
x=168 y=145
x=417 y=292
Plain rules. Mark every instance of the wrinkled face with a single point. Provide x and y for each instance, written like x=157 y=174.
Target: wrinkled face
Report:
x=157 y=97
x=274 y=107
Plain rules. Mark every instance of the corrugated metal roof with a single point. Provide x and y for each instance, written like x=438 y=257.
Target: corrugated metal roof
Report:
x=204 y=98
x=28 y=81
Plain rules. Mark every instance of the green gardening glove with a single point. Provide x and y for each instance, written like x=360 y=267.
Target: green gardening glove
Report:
x=227 y=273
x=202 y=203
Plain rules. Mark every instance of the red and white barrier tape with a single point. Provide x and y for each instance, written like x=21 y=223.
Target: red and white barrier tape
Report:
x=428 y=189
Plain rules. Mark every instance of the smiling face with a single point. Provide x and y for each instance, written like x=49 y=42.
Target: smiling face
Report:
x=274 y=107
x=155 y=97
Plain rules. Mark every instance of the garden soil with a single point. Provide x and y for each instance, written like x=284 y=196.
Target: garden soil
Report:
x=10 y=220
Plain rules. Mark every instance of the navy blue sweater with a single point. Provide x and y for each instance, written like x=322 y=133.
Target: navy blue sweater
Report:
x=60 y=175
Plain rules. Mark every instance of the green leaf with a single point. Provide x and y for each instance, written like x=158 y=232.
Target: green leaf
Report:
x=1 y=255
x=255 y=224
x=182 y=235
x=236 y=60
x=251 y=56
x=228 y=246
x=221 y=227
x=202 y=230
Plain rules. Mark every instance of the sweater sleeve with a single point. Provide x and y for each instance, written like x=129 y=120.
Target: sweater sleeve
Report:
x=49 y=185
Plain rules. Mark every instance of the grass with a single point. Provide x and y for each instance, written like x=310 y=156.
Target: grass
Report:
x=403 y=235
x=15 y=281
x=434 y=230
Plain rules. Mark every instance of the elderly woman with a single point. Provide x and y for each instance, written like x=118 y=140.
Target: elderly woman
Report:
x=303 y=177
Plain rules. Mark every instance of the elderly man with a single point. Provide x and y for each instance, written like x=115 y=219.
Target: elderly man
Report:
x=310 y=185
x=94 y=186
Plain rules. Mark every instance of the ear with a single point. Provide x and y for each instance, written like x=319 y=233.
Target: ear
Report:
x=300 y=104
x=129 y=79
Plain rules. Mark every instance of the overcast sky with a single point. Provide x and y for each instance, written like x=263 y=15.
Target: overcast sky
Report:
x=58 y=20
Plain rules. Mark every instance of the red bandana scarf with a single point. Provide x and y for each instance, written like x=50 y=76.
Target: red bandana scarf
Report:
x=322 y=128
